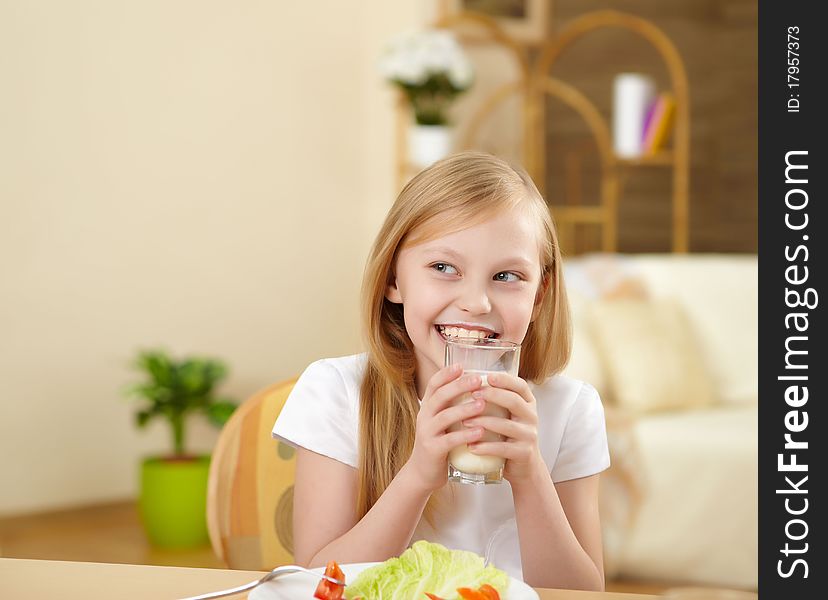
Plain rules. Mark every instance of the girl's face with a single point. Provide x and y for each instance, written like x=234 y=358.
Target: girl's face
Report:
x=484 y=278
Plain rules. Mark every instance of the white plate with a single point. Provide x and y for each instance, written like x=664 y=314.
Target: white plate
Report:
x=301 y=586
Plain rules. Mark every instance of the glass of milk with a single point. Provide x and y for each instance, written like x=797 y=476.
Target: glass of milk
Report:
x=480 y=356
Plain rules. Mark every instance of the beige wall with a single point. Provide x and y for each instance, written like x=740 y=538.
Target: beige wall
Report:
x=205 y=176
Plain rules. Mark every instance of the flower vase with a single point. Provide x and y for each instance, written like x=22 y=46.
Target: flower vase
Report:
x=429 y=143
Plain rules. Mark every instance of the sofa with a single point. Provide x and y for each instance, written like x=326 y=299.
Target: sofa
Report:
x=670 y=341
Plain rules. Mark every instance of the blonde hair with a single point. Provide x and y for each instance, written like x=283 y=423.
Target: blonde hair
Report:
x=455 y=193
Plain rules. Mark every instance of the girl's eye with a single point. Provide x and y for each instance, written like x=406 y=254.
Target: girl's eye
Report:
x=442 y=267
x=515 y=275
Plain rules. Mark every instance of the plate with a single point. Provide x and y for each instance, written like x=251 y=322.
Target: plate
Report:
x=301 y=586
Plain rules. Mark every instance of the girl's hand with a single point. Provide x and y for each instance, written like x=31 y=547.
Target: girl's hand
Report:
x=429 y=458
x=520 y=448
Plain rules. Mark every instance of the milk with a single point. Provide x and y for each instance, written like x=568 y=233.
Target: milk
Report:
x=466 y=461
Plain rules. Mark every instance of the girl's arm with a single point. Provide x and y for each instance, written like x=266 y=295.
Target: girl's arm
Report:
x=560 y=532
x=325 y=525
x=324 y=514
x=558 y=525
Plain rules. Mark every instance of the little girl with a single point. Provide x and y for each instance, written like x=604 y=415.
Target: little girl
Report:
x=469 y=245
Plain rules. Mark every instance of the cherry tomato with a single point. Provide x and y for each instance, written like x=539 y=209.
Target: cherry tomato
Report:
x=327 y=590
x=489 y=592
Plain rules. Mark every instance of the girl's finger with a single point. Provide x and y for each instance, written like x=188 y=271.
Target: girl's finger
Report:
x=502 y=449
x=511 y=401
x=442 y=377
x=510 y=382
x=454 y=414
x=450 y=441
x=444 y=395
x=506 y=427
x=438 y=380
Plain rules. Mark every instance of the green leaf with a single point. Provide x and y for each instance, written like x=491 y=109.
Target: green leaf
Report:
x=190 y=376
x=426 y=567
x=214 y=372
x=158 y=365
x=142 y=417
x=219 y=412
x=151 y=392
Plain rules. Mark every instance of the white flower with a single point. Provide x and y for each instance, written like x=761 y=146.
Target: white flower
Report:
x=460 y=74
x=413 y=56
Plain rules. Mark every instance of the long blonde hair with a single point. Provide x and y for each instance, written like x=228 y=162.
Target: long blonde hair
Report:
x=455 y=193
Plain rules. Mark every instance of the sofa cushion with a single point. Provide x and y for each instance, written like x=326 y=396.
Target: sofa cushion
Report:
x=719 y=294
x=584 y=361
x=652 y=357
x=588 y=278
x=698 y=519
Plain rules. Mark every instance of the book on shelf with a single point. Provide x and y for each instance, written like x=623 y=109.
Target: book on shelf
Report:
x=658 y=124
x=648 y=118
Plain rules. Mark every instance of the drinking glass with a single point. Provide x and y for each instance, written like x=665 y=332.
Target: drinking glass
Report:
x=481 y=357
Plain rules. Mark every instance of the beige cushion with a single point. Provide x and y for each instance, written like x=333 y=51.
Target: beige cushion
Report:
x=585 y=361
x=652 y=357
x=719 y=294
x=698 y=518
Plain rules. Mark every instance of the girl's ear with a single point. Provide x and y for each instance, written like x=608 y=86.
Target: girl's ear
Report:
x=392 y=293
x=539 y=298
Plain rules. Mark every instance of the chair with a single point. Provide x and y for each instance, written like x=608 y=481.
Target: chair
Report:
x=250 y=487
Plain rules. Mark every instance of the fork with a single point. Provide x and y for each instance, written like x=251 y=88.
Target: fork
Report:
x=277 y=572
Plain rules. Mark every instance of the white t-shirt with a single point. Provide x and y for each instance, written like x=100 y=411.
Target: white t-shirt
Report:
x=322 y=415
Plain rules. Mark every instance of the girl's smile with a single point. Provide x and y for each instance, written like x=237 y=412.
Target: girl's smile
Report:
x=455 y=330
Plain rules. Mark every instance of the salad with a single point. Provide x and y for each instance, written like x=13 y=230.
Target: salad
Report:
x=424 y=571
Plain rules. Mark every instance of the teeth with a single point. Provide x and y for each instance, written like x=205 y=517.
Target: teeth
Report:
x=460 y=332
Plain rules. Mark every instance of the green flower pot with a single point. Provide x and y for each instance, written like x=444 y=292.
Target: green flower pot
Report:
x=173 y=501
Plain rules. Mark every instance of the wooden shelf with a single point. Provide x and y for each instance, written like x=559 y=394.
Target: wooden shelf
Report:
x=535 y=85
x=661 y=159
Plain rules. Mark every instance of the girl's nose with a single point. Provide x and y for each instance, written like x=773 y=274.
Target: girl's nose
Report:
x=475 y=300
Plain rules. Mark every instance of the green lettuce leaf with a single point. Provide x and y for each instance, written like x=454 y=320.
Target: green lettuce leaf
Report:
x=426 y=567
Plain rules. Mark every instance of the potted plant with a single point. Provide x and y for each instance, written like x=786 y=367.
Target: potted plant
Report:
x=173 y=492
x=431 y=69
